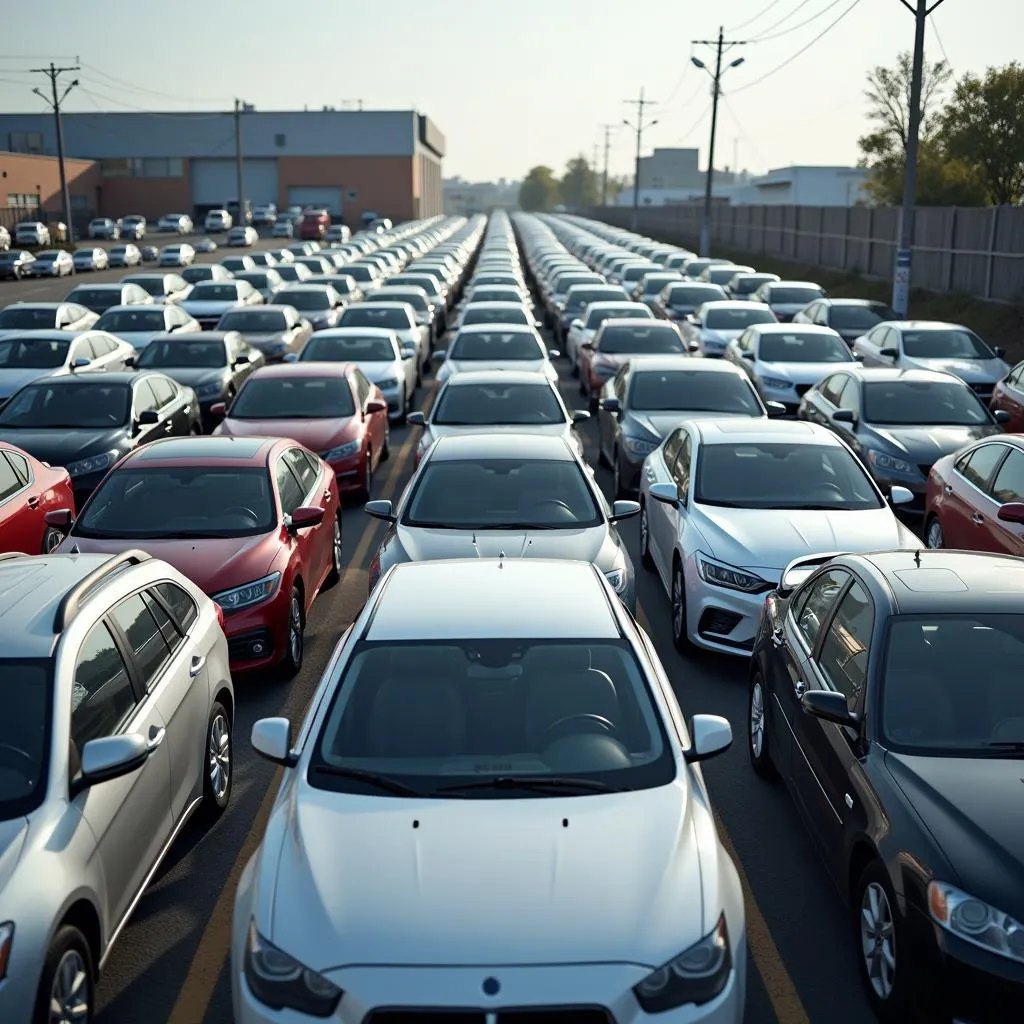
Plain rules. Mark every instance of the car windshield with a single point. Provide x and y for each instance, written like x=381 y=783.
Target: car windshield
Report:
x=485 y=315
x=418 y=302
x=153 y=285
x=48 y=255
x=689 y=296
x=657 y=339
x=494 y=494
x=25 y=733
x=254 y=321
x=33 y=353
x=196 y=501
x=214 y=291
x=356 y=348
x=27 y=318
x=421 y=719
x=361 y=272
x=692 y=391
x=96 y=299
x=428 y=284
x=141 y=319
x=721 y=275
x=563 y=284
x=737 y=319
x=305 y=300
x=195 y=274
x=292 y=272
x=84 y=404
x=596 y=317
x=945 y=344
x=802 y=347
x=855 y=317
x=585 y=296
x=472 y=405
x=656 y=282
x=923 y=403
x=783 y=476
x=491 y=295
x=951 y=685
x=297 y=398
x=746 y=285
x=191 y=354
x=787 y=296
x=638 y=270
x=496 y=346
x=257 y=278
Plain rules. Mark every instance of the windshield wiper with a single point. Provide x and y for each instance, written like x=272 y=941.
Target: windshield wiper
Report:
x=539 y=784
x=723 y=504
x=815 y=508
x=384 y=782
x=1011 y=746
x=523 y=526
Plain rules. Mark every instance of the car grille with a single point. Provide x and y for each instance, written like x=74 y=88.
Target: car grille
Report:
x=546 y=1015
x=802 y=389
x=718 y=621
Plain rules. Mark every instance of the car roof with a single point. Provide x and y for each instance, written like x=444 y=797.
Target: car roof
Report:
x=194 y=336
x=355 y=332
x=793 y=284
x=744 y=430
x=48 y=333
x=925 y=325
x=306 y=369
x=301 y=286
x=503 y=328
x=467 y=447
x=789 y=328
x=110 y=377
x=617 y=304
x=492 y=598
x=841 y=301
x=682 y=361
x=470 y=377
x=383 y=305
x=39 y=305
x=104 y=285
x=129 y=278
x=889 y=373
x=208 y=449
x=494 y=304
x=134 y=308
x=733 y=304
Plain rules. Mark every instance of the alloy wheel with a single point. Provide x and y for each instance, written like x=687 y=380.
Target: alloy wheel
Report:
x=878 y=940
x=933 y=538
x=295 y=630
x=336 y=546
x=219 y=756
x=70 y=992
x=678 y=604
x=757 y=719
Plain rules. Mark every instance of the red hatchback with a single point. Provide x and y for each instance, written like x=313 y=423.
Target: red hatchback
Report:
x=314 y=225
x=975 y=498
x=254 y=522
x=331 y=408
x=28 y=490
x=1008 y=395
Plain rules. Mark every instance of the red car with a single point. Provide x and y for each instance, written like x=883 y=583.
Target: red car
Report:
x=314 y=225
x=29 y=489
x=975 y=498
x=1008 y=395
x=331 y=408
x=255 y=522
x=616 y=342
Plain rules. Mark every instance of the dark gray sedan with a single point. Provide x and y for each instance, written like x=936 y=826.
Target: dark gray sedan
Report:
x=900 y=422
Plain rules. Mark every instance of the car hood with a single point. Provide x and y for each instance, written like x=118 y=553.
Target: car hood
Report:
x=194 y=376
x=543 y=429
x=12 y=839
x=525 y=365
x=382 y=371
x=799 y=373
x=59 y=447
x=925 y=445
x=767 y=540
x=658 y=424
x=264 y=337
x=139 y=339
x=195 y=307
x=213 y=564
x=317 y=435
x=963 y=802
x=11 y=380
x=978 y=371
x=461 y=898
x=714 y=334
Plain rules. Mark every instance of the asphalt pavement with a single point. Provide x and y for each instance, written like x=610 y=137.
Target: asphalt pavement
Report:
x=171 y=962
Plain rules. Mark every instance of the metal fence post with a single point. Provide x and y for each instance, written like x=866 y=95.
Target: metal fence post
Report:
x=990 y=263
x=870 y=239
x=950 y=251
x=846 y=239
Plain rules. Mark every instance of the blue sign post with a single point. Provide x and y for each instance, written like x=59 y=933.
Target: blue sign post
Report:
x=901 y=283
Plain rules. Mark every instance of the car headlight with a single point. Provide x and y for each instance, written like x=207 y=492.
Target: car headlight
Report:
x=618 y=579
x=248 y=594
x=387 y=383
x=696 y=976
x=6 y=940
x=279 y=981
x=635 y=446
x=890 y=464
x=727 y=576
x=975 y=921
x=211 y=390
x=777 y=383
x=343 y=451
x=94 y=464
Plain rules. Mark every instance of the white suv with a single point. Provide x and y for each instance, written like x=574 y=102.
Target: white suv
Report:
x=32 y=232
x=217 y=220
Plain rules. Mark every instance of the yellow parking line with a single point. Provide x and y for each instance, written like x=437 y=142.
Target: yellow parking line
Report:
x=197 y=989
x=785 y=1000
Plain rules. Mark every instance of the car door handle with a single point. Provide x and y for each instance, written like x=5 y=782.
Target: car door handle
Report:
x=196 y=666
x=33 y=501
x=327 y=495
x=978 y=519
x=948 y=489
x=800 y=688
x=778 y=637
x=156 y=736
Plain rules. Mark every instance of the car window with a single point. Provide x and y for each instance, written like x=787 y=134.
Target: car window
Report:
x=831 y=388
x=978 y=468
x=164 y=390
x=363 y=387
x=619 y=383
x=843 y=659
x=102 y=695
x=681 y=467
x=303 y=467
x=813 y=612
x=181 y=605
x=10 y=483
x=288 y=487
x=1009 y=482
x=20 y=466
x=849 y=396
x=671 y=449
x=145 y=637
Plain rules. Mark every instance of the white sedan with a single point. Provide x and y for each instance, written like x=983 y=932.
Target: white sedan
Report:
x=179 y=255
x=727 y=504
x=712 y=325
x=497 y=347
x=428 y=849
x=90 y=258
x=584 y=327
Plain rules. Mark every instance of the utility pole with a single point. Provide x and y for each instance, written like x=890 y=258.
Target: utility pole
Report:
x=921 y=9
x=608 y=128
x=53 y=73
x=721 y=45
x=239 y=171
x=639 y=127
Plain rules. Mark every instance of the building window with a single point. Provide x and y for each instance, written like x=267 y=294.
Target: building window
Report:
x=150 y=167
x=22 y=200
x=280 y=141
x=25 y=142
x=79 y=202
x=116 y=168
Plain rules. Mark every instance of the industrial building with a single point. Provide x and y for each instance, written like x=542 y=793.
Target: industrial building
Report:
x=153 y=163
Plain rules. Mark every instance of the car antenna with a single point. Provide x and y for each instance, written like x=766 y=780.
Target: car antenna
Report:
x=475 y=547
x=501 y=558
x=917 y=559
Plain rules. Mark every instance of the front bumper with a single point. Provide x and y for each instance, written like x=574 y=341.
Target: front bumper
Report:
x=721 y=619
x=258 y=636
x=350 y=472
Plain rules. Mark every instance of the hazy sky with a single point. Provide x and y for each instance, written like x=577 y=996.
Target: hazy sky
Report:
x=511 y=84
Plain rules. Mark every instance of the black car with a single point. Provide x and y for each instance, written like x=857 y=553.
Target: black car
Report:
x=86 y=422
x=849 y=318
x=212 y=363
x=885 y=688
x=678 y=301
x=14 y=263
x=900 y=422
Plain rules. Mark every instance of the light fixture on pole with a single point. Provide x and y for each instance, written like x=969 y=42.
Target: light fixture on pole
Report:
x=639 y=128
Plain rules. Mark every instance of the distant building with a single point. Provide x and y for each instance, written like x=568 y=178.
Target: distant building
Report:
x=465 y=198
x=148 y=163
x=677 y=169
x=30 y=188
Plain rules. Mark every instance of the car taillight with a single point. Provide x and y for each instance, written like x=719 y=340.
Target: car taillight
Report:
x=220 y=615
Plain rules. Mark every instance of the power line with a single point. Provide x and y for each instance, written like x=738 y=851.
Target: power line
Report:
x=641 y=104
x=696 y=124
x=121 y=83
x=760 y=14
x=938 y=39
x=131 y=108
x=53 y=73
x=803 y=24
x=799 y=53
x=771 y=28
x=743 y=134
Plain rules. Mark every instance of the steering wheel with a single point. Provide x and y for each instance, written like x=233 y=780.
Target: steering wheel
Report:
x=559 y=728
x=19 y=755
x=245 y=511
x=830 y=487
x=556 y=502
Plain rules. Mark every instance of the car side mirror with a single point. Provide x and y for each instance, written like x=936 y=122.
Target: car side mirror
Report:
x=844 y=416
x=710 y=735
x=577 y=324
x=148 y=418
x=131 y=361
x=1012 y=512
x=830 y=706
x=241 y=361
x=1001 y=416
x=440 y=355
x=381 y=509
x=624 y=510
x=408 y=353
x=775 y=410
x=537 y=324
x=289 y=357
x=667 y=494
x=999 y=351
x=690 y=318
x=304 y=517
x=416 y=419
x=376 y=405
x=889 y=352
x=587 y=346
x=901 y=495
x=60 y=519
x=612 y=405
x=218 y=409
x=111 y=757
x=553 y=353
x=749 y=355
x=271 y=738
x=80 y=363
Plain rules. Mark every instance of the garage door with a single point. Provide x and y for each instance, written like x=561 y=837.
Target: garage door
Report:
x=214 y=182
x=307 y=195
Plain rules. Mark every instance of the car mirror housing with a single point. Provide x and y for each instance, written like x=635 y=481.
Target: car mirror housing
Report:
x=624 y=510
x=844 y=416
x=801 y=569
x=376 y=405
x=710 y=735
x=416 y=419
x=60 y=519
x=1012 y=512
x=304 y=517
x=110 y=757
x=580 y=416
x=272 y=739
x=1001 y=416
x=901 y=495
x=830 y=706
x=889 y=353
x=667 y=494
x=612 y=405
x=381 y=509
x=775 y=410
x=148 y=418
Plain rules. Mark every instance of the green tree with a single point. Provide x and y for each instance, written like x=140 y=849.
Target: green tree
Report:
x=983 y=126
x=579 y=186
x=539 y=190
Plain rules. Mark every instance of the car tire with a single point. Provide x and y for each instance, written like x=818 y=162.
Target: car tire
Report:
x=385 y=451
x=67 y=978
x=367 y=489
x=51 y=538
x=933 y=537
x=878 y=941
x=220 y=773
x=295 y=642
x=680 y=636
x=646 y=558
x=336 y=554
x=758 y=743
